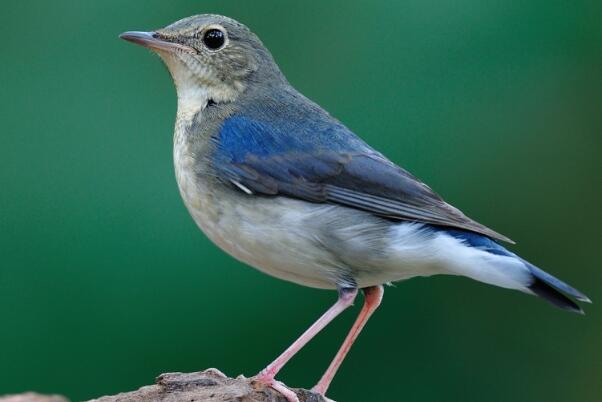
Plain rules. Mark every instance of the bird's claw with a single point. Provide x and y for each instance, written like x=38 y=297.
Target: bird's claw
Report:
x=278 y=386
x=290 y=395
x=321 y=393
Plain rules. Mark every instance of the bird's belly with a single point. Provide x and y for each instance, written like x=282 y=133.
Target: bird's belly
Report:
x=261 y=232
x=269 y=238
x=293 y=240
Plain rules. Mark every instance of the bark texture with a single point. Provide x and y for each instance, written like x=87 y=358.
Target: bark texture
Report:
x=205 y=386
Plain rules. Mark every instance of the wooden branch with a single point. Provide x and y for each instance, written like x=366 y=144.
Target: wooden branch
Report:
x=206 y=386
x=33 y=397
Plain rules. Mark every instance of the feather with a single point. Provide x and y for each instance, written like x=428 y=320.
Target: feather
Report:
x=540 y=282
x=322 y=161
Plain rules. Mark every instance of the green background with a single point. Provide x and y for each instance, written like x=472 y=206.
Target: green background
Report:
x=105 y=281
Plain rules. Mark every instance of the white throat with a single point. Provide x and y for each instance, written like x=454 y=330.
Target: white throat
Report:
x=191 y=97
x=195 y=85
x=191 y=101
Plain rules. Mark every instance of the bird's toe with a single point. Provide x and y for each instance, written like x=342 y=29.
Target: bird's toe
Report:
x=290 y=395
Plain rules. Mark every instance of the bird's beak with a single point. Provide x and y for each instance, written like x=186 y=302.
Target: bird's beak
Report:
x=153 y=41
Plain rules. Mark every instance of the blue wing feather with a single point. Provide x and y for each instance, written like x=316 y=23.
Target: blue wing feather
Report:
x=240 y=137
x=317 y=159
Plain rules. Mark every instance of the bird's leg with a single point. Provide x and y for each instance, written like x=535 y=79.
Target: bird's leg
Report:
x=346 y=297
x=372 y=298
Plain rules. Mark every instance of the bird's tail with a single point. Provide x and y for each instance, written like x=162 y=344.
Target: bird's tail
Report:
x=494 y=264
x=552 y=289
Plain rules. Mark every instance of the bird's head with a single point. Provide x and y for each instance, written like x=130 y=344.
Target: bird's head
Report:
x=211 y=58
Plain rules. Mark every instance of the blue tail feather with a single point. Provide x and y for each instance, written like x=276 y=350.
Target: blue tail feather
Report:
x=551 y=295
x=544 y=285
x=556 y=283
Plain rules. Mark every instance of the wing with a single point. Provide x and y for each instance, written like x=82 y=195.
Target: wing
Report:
x=326 y=163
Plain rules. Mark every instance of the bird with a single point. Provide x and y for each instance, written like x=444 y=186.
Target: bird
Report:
x=278 y=183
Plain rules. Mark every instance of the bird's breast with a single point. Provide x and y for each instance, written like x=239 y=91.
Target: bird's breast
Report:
x=197 y=191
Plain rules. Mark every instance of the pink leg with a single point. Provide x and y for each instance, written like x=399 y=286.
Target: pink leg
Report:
x=287 y=393
x=346 y=297
x=372 y=298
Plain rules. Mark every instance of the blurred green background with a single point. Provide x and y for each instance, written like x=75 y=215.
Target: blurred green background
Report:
x=105 y=281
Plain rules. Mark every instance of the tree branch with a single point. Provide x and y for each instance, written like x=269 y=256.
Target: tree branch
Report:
x=205 y=386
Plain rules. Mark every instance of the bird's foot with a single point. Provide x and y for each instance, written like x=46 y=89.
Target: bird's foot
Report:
x=269 y=380
x=285 y=391
x=318 y=390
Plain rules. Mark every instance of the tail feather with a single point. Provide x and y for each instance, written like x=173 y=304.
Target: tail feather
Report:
x=556 y=283
x=548 y=293
x=539 y=282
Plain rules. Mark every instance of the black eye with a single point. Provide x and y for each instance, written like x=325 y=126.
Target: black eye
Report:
x=214 y=39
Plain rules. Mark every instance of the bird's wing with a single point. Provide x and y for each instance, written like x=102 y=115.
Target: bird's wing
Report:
x=331 y=166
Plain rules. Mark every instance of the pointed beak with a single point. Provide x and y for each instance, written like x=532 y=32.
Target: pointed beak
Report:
x=153 y=41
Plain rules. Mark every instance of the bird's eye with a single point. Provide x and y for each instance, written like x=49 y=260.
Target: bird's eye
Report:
x=214 y=39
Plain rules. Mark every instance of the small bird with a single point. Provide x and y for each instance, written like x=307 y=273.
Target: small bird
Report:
x=275 y=181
